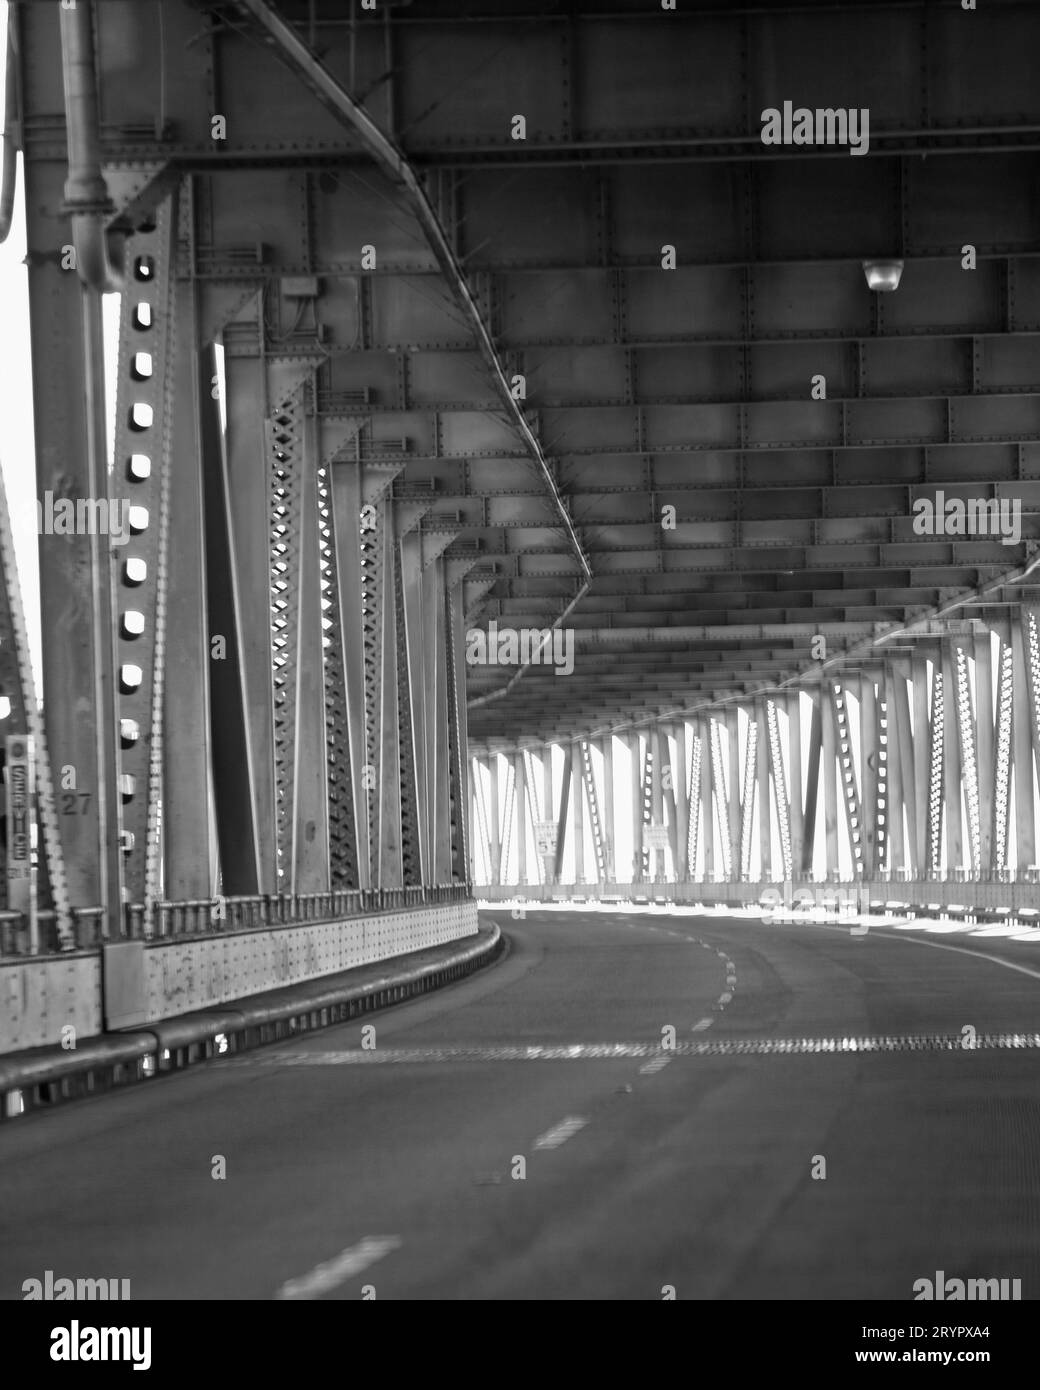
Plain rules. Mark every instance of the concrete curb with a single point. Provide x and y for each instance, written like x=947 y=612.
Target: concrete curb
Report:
x=42 y=1077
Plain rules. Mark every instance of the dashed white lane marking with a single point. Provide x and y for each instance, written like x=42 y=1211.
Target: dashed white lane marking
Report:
x=701 y=1025
x=333 y=1272
x=655 y=1065
x=559 y=1134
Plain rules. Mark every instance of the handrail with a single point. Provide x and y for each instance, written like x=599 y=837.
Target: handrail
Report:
x=190 y=917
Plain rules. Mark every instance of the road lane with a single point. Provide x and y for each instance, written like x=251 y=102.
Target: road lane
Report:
x=698 y=1174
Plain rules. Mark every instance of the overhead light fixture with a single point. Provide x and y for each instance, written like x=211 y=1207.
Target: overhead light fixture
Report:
x=883 y=275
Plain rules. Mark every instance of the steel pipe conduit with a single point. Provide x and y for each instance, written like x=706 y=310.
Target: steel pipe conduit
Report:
x=86 y=193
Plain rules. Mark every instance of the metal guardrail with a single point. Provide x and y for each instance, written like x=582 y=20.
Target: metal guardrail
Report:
x=209 y=916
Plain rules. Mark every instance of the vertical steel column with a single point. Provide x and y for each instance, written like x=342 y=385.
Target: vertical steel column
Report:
x=921 y=746
x=968 y=755
x=699 y=770
x=18 y=684
x=847 y=773
x=646 y=807
x=796 y=819
x=76 y=571
x=494 y=812
x=188 y=813
x=458 y=735
x=722 y=798
x=894 y=688
x=882 y=780
x=310 y=823
x=507 y=819
x=595 y=819
x=549 y=860
x=1002 y=761
x=736 y=858
x=480 y=813
x=535 y=810
x=471 y=817
x=411 y=848
x=297 y=671
x=951 y=763
x=747 y=797
x=765 y=825
x=1031 y=639
x=872 y=832
x=1025 y=841
x=656 y=799
x=520 y=783
x=812 y=781
x=382 y=608
x=416 y=640
x=708 y=792
x=609 y=862
x=343 y=865
x=472 y=823
x=437 y=707
x=354 y=529
x=638 y=773
x=237 y=776
x=374 y=541
x=776 y=757
x=143 y=450
x=573 y=754
x=910 y=757
x=984 y=746
x=561 y=824
x=935 y=769
x=287 y=483
x=891 y=737
x=671 y=796
x=681 y=803
x=828 y=773
x=248 y=519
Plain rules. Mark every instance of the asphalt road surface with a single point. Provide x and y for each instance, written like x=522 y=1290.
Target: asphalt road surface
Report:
x=753 y=1160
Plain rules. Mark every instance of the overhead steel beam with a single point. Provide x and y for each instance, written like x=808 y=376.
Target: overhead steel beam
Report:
x=305 y=62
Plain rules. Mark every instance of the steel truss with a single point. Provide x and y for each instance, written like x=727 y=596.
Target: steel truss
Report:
x=925 y=765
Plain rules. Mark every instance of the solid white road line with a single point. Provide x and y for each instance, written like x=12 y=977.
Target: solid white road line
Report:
x=964 y=951
x=345 y=1265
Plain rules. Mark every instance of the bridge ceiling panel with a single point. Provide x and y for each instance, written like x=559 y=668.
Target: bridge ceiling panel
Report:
x=738 y=441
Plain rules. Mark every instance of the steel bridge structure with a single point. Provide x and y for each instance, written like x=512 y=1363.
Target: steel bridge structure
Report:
x=439 y=328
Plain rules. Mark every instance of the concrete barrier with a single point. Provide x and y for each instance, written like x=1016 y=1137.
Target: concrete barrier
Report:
x=128 y=983
x=41 y=1077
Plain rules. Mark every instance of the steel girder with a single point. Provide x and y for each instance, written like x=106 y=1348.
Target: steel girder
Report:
x=920 y=771
x=190 y=821
x=76 y=591
x=22 y=716
x=588 y=777
x=630 y=407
